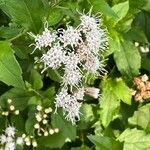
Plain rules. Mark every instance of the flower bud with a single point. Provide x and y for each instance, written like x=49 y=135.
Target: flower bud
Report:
x=92 y=91
x=9 y=101
x=12 y=107
x=37 y=126
x=34 y=143
x=39 y=108
x=51 y=131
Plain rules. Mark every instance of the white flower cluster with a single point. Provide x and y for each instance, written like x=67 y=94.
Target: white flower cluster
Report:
x=70 y=104
x=42 y=118
x=9 y=141
x=74 y=50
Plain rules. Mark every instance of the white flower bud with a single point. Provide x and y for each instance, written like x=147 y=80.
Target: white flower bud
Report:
x=23 y=135
x=17 y=112
x=67 y=140
x=5 y=113
x=38 y=117
x=12 y=107
x=28 y=143
x=39 y=108
x=48 y=110
x=34 y=143
x=136 y=44
x=37 y=126
x=9 y=101
x=44 y=121
x=92 y=91
x=27 y=139
x=51 y=131
x=56 y=130
x=45 y=133
x=45 y=116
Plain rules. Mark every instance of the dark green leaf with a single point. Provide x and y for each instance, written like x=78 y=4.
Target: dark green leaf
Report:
x=10 y=69
x=27 y=13
x=128 y=66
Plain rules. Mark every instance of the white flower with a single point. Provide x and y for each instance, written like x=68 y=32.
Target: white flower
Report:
x=73 y=110
x=71 y=61
x=72 y=77
x=92 y=64
x=70 y=36
x=79 y=94
x=59 y=100
x=10 y=131
x=96 y=40
x=3 y=139
x=10 y=146
x=69 y=104
x=88 y=22
x=20 y=141
x=45 y=39
x=9 y=139
x=53 y=58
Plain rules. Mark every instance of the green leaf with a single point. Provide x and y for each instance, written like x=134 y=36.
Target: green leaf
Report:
x=54 y=75
x=11 y=73
x=121 y=10
x=102 y=6
x=36 y=80
x=55 y=16
x=19 y=98
x=109 y=103
x=105 y=143
x=9 y=32
x=141 y=118
x=122 y=91
x=135 y=139
x=113 y=91
x=87 y=116
x=27 y=13
x=128 y=59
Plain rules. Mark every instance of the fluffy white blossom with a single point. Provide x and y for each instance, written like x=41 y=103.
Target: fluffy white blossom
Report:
x=3 y=139
x=10 y=131
x=79 y=94
x=71 y=61
x=45 y=39
x=70 y=36
x=75 y=50
x=71 y=77
x=92 y=64
x=96 y=40
x=10 y=146
x=9 y=139
x=53 y=58
x=20 y=141
x=88 y=23
x=69 y=104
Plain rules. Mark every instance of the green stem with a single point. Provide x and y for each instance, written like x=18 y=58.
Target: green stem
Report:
x=19 y=35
